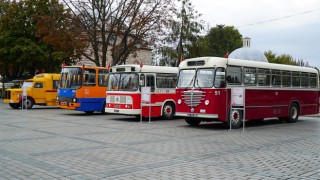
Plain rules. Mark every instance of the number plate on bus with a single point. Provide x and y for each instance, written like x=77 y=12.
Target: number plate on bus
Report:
x=63 y=103
x=116 y=110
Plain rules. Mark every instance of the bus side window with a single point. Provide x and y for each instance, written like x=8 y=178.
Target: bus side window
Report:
x=150 y=82
x=220 y=78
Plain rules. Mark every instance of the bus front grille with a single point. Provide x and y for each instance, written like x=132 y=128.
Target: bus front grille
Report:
x=193 y=97
x=7 y=94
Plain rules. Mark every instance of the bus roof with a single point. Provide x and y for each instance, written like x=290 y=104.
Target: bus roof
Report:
x=86 y=67
x=53 y=76
x=205 y=62
x=144 y=69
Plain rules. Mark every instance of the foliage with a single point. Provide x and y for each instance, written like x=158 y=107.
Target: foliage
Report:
x=284 y=59
x=118 y=26
x=184 y=30
x=30 y=34
x=221 y=40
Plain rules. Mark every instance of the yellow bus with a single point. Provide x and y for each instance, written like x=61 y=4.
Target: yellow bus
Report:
x=40 y=90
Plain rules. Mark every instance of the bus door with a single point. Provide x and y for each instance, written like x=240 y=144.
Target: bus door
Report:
x=150 y=82
x=38 y=92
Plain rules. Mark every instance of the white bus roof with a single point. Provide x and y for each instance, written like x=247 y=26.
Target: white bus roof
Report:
x=144 y=69
x=205 y=62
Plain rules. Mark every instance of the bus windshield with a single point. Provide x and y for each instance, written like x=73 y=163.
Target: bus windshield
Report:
x=202 y=78
x=186 y=78
x=71 y=77
x=27 y=84
x=123 y=82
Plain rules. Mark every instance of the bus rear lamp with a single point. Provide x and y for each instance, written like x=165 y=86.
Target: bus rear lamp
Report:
x=207 y=102
x=179 y=101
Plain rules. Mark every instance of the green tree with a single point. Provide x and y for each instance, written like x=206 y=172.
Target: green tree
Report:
x=220 y=40
x=24 y=47
x=184 y=30
x=281 y=59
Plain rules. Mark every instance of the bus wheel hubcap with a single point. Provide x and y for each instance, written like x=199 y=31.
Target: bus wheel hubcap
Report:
x=235 y=117
x=167 y=110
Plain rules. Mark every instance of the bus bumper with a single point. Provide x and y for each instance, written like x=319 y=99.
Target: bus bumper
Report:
x=197 y=115
x=69 y=105
x=123 y=111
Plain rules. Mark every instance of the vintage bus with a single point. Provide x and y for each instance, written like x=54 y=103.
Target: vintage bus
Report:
x=271 y=90
x=124 y=90
x=83 y=88
x=40 y=90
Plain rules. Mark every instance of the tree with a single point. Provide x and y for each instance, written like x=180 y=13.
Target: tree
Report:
x=25 y=32
x=221 y=40
x=284 y=59
x=117 y=26
x=184 y=31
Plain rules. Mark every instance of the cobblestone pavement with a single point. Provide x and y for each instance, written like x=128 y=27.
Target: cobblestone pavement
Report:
x=51 y=143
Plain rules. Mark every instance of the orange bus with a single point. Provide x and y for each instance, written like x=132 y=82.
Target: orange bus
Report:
x=83 y=88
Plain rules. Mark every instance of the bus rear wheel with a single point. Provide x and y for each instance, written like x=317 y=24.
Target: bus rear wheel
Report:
x=14 y=105
x=193 y=121
x=168 y=111
x=235 y=118
x=294 y=113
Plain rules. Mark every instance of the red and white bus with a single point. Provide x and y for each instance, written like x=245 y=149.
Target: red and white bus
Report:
x=271 y=90
x=124 y=90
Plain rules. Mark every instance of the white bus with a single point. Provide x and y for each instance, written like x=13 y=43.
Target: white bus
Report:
x=124 y=90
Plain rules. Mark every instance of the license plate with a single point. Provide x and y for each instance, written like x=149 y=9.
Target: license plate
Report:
x=116 y=110
x=63 y=103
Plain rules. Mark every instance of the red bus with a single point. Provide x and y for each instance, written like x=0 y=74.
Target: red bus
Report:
x=271 y=90
x=124 y=90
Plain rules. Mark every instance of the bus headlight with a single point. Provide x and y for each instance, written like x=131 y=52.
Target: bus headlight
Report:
x=129 y=100
x=207 y=102
x=74 y=100
x=179 y=101
x=57 y=98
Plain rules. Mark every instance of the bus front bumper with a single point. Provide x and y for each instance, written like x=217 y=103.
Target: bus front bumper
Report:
x=68 y=105
x=197 y=115
x=123 y=111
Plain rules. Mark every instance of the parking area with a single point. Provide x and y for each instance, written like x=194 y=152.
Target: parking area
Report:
x=51 y=143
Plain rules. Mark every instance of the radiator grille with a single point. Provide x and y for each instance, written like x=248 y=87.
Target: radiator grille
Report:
x=193 y=97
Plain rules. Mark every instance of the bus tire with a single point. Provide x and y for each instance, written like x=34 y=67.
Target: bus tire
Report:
x=28 y=103
x=235 y=118
x=103 y=110
x=168 y=111
x=294 y=112
x=14 y=105
x=193 y=121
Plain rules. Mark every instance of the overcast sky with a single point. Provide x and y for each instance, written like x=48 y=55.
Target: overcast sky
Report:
x=298 y=35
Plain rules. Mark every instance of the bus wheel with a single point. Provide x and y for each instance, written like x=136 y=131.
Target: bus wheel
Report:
x=235 y=118
x=14 y=105
x=168 y=111
x=103 y=110
x=193 y=121
x=28 y=103
x=89 y=112
x=294 y=113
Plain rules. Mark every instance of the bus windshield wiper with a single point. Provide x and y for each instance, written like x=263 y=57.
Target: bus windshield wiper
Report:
x=190 y=82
